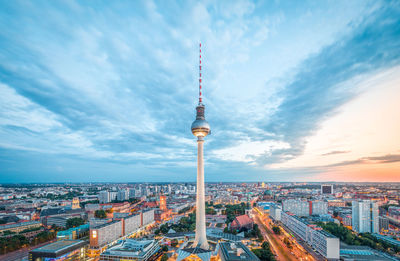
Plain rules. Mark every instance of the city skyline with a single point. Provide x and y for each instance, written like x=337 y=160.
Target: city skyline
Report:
x=105 y=93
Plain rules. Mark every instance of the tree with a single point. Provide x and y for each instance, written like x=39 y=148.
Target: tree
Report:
x=100 y=214
x=264 y=254
x=174 y=243
x=75 y=222
x=164 y=257
x=276 y=230
x=164 y=249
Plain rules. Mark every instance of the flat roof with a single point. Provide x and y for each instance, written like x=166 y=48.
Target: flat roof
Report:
x=59 y=248
x=230 y=253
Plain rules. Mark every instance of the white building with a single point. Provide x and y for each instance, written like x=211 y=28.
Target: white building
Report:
x=365 y=216
x=123 y=194
x=147 y=217
x=104 y=197
x=298 y=207
x=132 y=223
x=275 y=212
x=324 y=243
x=319 y=207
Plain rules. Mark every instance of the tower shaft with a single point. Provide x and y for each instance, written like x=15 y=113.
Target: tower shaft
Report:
x=200 y=238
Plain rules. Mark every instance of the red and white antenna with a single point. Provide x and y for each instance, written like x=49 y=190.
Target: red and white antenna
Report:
x=200 y=99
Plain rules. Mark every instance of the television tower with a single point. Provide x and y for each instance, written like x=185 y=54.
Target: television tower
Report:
x=200 y=129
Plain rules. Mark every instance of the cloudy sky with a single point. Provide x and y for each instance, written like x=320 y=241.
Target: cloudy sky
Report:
x=106 y=90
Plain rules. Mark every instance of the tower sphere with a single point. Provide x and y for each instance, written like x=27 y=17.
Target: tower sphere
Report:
x=200 y=128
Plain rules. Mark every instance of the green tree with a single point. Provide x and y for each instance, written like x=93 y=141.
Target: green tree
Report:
x=100 y=213
x=75 y=222
x=276 y=230
x=164 y=257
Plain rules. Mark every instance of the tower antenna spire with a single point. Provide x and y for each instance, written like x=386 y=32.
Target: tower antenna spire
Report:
x=200 y=98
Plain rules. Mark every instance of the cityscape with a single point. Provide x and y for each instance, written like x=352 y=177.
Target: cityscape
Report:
x=199 y=130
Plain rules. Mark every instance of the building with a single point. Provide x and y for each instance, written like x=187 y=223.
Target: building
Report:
x=75 y=203
x=326 y=189
x=365 y=215
x=363 y=253
x=74 y=232
x=275 y=212
x=383 y=224
x=242 y=222
x=235 y=251
x=20 y=226
x=319 y=207
x=131 y=249
x=104 y=197
x=324 y=243
x=60 y=250
x=106 y=233
x=298 y=207
x=122 y=195
x=163 y=203
x=132 y=223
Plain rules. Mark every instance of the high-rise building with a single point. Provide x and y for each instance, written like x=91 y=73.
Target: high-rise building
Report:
x=104 y=197
x=383 y=224
x=326 y=189
x=365 y=216
x=75 y=203
x=122 y=195
x=163 y=203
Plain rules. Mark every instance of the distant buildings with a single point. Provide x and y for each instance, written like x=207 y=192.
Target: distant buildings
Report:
x=326 y=189
x=20 y=226
x=104 y=197
x=383 y=224
x=365 y=215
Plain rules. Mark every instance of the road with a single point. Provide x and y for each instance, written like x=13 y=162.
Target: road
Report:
x=296 y=252
x=21 y=253
x=280 y=251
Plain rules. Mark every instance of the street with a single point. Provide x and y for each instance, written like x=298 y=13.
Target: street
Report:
x=280 y=249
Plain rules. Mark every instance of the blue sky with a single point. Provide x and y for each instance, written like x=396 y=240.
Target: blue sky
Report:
x=106 y=90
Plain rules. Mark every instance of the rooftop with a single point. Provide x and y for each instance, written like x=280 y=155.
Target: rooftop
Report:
x=236 y=251
x=59 y=247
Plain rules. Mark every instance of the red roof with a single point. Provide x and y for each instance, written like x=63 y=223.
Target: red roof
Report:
x=243 y=220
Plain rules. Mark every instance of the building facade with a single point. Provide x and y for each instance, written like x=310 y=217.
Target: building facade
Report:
x=365 y=216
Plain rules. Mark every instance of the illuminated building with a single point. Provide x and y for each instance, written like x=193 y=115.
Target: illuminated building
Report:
x=60 y=250
x=163 y=203
x=131 y=249
x=75 y=203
